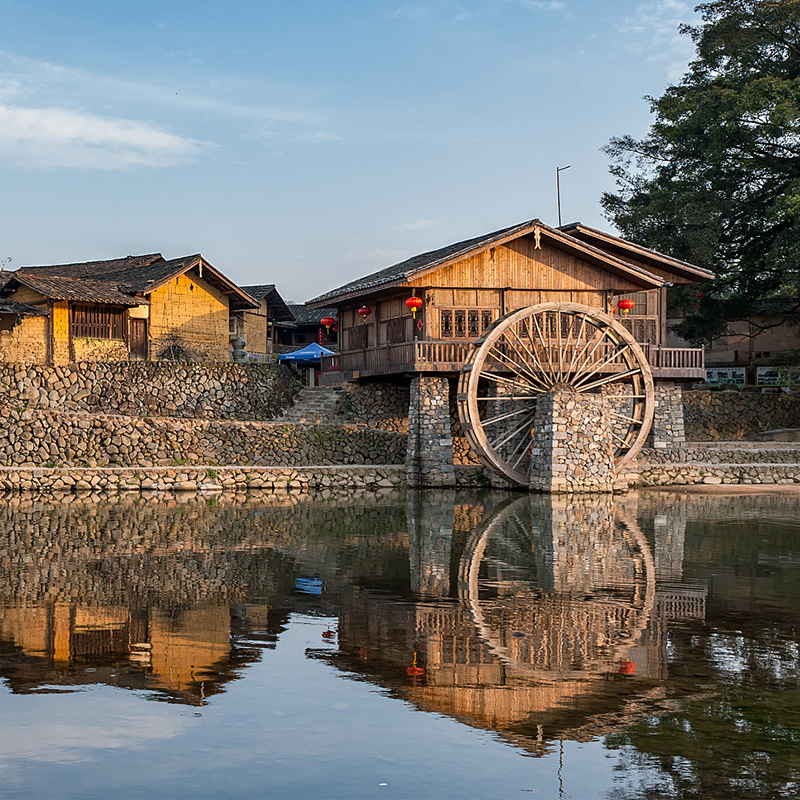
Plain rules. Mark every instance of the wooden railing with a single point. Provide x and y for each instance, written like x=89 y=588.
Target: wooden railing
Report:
x=676 y=357
x=421 y=356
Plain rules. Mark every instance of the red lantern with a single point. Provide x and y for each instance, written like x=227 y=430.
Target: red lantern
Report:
x=613 y=309
x=365 y=311
x=414 y=303
x=625 y=306
x=414 y=672
x=627 y=667
x=328 y=322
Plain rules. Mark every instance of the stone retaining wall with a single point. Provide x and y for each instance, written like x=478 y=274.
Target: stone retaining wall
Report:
x=733 y=414
x=41 y=438
x=691 y=474
x=103 y=481
x=142 y=388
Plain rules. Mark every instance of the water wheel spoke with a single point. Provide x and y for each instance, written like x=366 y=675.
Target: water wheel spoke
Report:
x=516 y=367
x=609 y=379
x=632 y=420
x=525 y=451
x=516 y=398
x=543 y=381
x=501 y=379
x=597 y=367
x=526 y=423
x=501 y=417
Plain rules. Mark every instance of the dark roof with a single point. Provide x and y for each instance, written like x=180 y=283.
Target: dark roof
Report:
x=118 y=280
x=97 y=269
x=22 y=309
x=60 y=288
x=400 y=273
x=303 y=315
x=275 y=303
x=411 y=266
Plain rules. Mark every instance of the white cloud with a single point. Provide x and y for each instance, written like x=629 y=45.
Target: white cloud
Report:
x=47 y=138
x=540 y=5
x=654 y=30
x=416 y=225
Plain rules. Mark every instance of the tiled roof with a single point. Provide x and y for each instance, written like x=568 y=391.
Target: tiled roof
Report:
x=411 y=266
x=97 y=269
x=116 y=280
x=90 y=291
x=22 y=309
x=275 y=303
x=303 y=315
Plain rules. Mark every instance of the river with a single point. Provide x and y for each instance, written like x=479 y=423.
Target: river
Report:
x=396 y=645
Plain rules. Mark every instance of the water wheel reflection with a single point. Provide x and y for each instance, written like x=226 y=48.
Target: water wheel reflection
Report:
x=558 y=588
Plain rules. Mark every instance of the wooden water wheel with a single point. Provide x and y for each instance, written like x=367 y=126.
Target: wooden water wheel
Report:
x=546 y=348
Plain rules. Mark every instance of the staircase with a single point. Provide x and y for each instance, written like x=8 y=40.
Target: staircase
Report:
x=316 y=405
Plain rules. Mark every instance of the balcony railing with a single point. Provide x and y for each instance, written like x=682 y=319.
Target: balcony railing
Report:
x=449 y=356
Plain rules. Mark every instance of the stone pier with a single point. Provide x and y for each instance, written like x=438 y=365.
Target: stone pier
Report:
x=668 y=426
x=573 y=449
x=429 y=458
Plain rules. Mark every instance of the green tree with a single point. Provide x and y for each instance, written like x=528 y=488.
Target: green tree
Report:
x=716 y=181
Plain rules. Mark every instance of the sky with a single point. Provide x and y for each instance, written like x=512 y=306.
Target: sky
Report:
x=307 y=143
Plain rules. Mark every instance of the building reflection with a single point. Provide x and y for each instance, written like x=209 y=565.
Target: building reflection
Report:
x=535 y=617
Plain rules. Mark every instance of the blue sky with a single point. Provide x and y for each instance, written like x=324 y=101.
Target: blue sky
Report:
x=308 y=143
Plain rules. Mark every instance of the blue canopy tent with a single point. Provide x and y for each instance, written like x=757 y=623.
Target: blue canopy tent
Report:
x=310 y=354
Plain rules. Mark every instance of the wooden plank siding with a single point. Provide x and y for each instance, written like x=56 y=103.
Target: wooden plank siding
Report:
x=520 y=264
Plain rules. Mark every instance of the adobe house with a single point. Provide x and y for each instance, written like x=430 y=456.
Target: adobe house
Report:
x=258 y=326
x=132 y=308
x=568 y=307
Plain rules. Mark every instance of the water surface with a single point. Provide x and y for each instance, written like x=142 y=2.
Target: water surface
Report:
x=400 y=644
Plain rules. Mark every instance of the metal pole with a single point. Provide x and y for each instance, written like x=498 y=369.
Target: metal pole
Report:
x=559 y=170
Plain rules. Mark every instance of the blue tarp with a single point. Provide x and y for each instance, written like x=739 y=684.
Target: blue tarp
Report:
x=311 y=352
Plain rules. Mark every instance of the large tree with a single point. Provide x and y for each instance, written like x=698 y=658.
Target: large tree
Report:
x=716 y=181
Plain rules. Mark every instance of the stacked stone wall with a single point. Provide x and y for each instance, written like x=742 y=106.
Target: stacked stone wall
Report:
x=738 y=414
x=36 y=438
x=378 y=405
x=141 y=388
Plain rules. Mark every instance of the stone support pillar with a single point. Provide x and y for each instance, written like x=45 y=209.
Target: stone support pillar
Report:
x=429 y=458
x=430 y=538
x=573 y=448
x=668 y=427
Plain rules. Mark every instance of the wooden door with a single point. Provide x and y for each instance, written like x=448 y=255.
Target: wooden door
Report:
x=137 y=339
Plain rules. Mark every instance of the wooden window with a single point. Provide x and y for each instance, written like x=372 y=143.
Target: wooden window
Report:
x=463 y=323
x=357 y=337
x=396 y=330
x=97 y=322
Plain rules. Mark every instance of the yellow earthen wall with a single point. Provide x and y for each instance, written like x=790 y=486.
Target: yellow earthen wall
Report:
x=100 y=350
x=60 y=354
x=26 y=342
x=255 y=330
x=189 y=314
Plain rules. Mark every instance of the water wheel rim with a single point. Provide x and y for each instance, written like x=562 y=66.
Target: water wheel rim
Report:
x=537 y=378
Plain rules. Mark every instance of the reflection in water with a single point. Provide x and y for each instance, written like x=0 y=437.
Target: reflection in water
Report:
x=538 y=618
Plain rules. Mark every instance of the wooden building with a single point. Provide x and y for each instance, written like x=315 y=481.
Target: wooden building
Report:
x=259 y=327
x=467 y=286
x=132 y=308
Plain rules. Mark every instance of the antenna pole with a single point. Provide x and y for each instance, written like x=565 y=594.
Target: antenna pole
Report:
x=559 y=170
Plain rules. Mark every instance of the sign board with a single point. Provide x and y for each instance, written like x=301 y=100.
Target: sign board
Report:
x=734 y=375
x=778 y=376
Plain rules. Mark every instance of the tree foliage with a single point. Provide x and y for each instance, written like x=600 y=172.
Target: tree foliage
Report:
x=716 y=181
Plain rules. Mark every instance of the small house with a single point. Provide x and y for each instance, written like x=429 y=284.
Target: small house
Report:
x=133 y=308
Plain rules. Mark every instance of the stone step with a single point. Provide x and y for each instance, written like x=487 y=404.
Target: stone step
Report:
x=316 y=404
